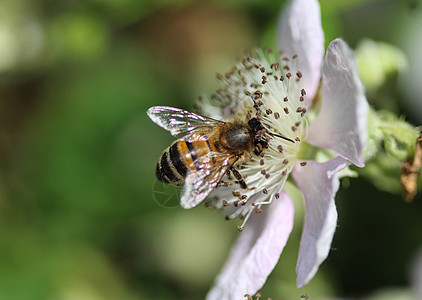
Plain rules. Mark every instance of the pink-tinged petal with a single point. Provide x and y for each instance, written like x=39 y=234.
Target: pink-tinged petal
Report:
x=256 y=251
x=341 y=124
x=300 y=32
x=319 y=184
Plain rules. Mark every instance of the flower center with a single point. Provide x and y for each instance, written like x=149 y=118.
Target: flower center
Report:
x=267 y=87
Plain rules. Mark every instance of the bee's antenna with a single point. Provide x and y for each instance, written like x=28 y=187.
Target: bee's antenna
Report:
x=270 y=133
x=255 y=105
x=282 y=137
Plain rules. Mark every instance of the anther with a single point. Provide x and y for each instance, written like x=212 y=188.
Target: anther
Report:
x=285 y=161
x=262 y=69
x=261 y=162
x=269 y=111
x=244 y=197
x=294 y=56
x=277 y=195
x=303 y=92
x=267 y=176
x=285 y=99
x=265 y=191
x=288 y=75
x=225 y=203
x=247 y=93
x=303 y=163
x=280 y=148
x=299 y=74
x=286 y=110
x=264 y=79
x=282 y=78
x=301 y=99
x=262 y=154
x=297 y=124
x=276 y=115
x=294 y=128
x=240 y=229
x=258 y=94
x=258 y=210
x=297 y=139
x=263 y=171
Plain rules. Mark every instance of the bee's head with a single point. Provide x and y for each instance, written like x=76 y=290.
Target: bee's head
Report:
x=258 y=132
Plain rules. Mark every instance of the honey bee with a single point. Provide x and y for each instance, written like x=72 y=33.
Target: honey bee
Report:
x=209 y=149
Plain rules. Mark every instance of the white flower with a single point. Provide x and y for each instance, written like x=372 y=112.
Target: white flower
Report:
x=284 y=86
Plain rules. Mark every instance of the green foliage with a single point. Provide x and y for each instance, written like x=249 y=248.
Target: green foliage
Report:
x=78 y=217
x=391 y=141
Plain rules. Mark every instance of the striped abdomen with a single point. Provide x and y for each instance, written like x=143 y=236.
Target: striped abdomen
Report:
x=180 y=158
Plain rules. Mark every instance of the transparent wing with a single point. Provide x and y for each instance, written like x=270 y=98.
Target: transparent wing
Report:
x=200 y=183
x=177 y=121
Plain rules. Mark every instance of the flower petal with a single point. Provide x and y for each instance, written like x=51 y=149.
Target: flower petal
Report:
x=319 y=184
x=341 y=124
x=256 y=251
x=300 y=32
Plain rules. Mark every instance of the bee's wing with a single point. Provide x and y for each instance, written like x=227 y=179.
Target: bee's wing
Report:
x=177 y=121
x=200 y=183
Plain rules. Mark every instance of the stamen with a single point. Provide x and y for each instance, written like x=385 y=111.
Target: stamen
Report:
x=261 y=76
x=264 y=79
x=240 y=228
x=280 y=148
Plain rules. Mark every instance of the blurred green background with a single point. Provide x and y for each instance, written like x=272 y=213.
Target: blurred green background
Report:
x=78 y=218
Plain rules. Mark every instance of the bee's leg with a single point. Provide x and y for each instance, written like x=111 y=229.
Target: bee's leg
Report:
x=239 y=178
